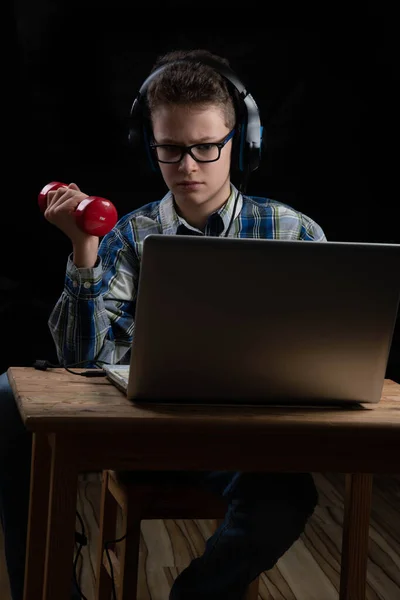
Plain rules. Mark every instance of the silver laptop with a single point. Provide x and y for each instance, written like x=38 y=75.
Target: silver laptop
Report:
x=227 y=320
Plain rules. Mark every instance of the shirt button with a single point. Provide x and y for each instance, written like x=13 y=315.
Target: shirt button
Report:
x=86 y=284
x=75 y=284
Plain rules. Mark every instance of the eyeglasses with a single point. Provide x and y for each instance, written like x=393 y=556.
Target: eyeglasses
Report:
x=203 y=153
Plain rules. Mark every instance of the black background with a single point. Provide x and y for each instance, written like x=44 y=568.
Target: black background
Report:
x=327 y=86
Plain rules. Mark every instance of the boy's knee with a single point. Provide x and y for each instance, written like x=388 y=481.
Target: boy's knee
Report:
x=5 y=387
x=11 y=425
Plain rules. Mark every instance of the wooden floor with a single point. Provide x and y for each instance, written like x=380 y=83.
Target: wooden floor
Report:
x=308 y=571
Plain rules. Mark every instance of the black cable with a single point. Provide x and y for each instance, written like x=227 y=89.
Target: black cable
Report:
x=94 y=373
x=43 y=365
x=82 y=540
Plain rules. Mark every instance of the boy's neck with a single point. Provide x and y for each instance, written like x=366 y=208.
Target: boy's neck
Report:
x=199 y=215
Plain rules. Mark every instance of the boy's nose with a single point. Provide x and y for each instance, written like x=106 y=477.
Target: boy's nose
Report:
x=187 y=163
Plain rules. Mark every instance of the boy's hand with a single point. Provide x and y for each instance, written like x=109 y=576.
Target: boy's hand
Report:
x=61 y=206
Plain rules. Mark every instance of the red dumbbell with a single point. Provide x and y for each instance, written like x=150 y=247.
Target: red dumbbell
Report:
x=94 y=215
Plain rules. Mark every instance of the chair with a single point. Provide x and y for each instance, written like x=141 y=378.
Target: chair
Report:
x=154 y=500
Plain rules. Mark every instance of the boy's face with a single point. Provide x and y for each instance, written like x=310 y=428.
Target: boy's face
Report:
x=197 y=187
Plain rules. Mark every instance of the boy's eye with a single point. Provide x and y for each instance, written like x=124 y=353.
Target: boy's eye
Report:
x=204 y=147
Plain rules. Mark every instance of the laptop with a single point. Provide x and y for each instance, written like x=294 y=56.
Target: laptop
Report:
x=249 y=321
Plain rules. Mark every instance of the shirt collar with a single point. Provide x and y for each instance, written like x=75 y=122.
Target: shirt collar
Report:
x=170 y=220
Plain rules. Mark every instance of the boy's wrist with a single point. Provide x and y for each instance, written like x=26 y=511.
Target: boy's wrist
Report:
x=85 y=253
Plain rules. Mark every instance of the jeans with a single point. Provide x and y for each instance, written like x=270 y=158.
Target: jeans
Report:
x=266 y=514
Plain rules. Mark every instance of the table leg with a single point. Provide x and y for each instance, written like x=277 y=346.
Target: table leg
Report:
x=61 y=520
x=37 y=520
x=357 y=509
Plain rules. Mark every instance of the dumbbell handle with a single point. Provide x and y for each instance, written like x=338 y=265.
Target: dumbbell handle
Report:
x=94 y=215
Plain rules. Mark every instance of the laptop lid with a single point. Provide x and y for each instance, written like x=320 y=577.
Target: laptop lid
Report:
x=263 y=321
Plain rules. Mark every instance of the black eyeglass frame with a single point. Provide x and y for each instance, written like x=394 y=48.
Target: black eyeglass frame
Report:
x=188 y=150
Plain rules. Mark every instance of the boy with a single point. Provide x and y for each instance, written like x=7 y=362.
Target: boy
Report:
x=199 y=127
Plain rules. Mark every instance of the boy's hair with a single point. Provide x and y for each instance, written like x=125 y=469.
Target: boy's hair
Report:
x=191 y=83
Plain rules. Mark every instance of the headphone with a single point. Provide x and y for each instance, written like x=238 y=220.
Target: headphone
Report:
x=248 y=135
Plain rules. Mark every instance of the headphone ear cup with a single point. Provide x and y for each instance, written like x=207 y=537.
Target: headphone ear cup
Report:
x=235 y=149
x=242 y=148
x=149 y=152
x=254 y=153
x=139 y=137
x=134 y=138
x=239 y=148
x=263 y=137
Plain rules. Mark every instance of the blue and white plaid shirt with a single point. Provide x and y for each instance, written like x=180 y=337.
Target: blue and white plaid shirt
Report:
x=94 y=316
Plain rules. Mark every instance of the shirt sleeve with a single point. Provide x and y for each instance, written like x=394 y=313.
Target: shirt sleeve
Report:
x=93 y=320
x=310 y=230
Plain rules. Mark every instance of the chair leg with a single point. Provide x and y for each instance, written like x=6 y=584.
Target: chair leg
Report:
x=126 y=560
x=252 y=590
x=128 y=555
x=107 y=527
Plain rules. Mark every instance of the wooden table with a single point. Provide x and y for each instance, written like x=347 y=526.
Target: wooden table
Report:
x=82 y=424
